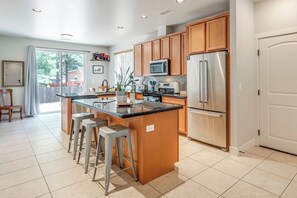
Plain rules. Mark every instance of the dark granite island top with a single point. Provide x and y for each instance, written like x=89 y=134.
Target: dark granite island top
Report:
x=109 y=106
x=75 y=96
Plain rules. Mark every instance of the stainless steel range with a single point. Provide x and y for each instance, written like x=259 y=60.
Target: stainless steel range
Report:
x=156 y=96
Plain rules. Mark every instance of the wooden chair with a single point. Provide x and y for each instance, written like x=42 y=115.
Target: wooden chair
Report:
x=6 y=104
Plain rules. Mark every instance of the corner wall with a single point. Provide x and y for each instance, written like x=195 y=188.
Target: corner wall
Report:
x=14 y=48
x=272 y=15
x=243 y=75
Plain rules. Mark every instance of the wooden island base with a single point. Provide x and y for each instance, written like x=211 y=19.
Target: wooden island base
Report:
x=154 y=152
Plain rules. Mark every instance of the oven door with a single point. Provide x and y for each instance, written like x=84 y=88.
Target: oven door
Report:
x=159 y=68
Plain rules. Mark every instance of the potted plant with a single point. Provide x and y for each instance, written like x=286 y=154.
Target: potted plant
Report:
x=124 y=79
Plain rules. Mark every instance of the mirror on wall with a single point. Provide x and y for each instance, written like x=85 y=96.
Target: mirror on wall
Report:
x=12 y=73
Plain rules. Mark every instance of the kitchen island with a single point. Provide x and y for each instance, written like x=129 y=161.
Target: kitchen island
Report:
x=154 y=133
x=67 y=107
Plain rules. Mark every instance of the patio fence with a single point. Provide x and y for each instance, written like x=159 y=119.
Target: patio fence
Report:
x=48 y=94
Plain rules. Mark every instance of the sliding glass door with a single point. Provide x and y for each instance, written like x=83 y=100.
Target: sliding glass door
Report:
x=58 y=72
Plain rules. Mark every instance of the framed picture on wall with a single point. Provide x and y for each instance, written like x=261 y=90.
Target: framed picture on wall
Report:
x=98 y=69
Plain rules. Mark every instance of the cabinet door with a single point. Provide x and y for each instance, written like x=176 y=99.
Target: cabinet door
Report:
x=165 y=48
x=175 y=55
x=146 y=58
x=182 y=113
x=216 y=34
x=137 y=60
x=184 y=53
x=182 y=120
x=139 y=96
x=196 y=38
x=156 y=50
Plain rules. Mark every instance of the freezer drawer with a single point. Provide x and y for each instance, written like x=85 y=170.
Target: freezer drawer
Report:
x=208 y=127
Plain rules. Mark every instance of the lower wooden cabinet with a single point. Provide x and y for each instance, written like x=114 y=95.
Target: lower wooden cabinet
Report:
x=182 y=113
x=139 y=96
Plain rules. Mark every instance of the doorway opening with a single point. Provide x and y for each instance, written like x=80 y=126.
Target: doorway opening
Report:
x=58 y=72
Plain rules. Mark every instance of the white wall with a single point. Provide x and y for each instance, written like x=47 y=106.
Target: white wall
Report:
x=243 y=74
x=12 y=48
x=271 y=15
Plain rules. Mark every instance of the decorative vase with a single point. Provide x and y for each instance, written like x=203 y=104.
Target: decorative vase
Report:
x=121 y=96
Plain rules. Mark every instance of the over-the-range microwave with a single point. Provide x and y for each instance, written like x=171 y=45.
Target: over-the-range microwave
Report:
x=159 y=67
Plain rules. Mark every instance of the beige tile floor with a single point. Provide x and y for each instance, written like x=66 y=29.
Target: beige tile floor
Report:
x=34 y=163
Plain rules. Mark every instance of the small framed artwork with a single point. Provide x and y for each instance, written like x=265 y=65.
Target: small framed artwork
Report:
x=98 y=69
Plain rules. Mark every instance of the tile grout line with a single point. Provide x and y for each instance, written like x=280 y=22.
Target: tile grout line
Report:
x=288 y=185
x=39 y=165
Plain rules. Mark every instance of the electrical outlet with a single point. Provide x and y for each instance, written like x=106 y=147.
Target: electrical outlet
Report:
x=150 y=128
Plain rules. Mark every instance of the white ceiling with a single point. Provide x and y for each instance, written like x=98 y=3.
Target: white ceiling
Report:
x=95 y=22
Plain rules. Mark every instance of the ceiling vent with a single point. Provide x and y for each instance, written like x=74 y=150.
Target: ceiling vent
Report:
x=167 y=11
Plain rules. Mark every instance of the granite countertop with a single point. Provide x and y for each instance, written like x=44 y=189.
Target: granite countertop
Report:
x=75 y=96
x=169 y=95
x=109 y=106
x=175 y=96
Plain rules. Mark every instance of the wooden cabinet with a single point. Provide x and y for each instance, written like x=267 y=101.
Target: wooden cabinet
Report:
x=165 y=48
x=137 y=60
x=156 y=50
x=209 y=34
x=182 y=113
x=139 y=96
x=175 y=54
x=216 y=34
x=146 y=58
x=197 y=38
x=184 y=48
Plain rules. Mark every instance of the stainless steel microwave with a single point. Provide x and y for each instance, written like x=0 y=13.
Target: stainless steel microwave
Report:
x=159 y=67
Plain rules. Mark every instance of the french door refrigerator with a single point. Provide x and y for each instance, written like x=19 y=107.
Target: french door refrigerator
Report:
x=206 y=85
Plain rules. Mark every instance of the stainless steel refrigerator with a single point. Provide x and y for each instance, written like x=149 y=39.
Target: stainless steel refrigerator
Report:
x=206 y=85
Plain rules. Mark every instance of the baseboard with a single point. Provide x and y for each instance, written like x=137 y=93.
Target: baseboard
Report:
x=243 y=148
x=233 y=151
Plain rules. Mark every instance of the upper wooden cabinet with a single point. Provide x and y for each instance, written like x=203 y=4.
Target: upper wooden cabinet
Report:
x=165 y=48
x=137 y=60
x=184 y=49
x=216 y=34
x=209 y=34
x=156 y=50
x=175 y=54
x=146 y=58
x=197 y=38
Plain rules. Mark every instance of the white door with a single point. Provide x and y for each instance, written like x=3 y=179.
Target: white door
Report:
x=278 y=98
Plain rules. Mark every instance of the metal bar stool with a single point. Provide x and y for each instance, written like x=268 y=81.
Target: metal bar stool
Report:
x=75 y=129
x=110 y=133
x=89 y=125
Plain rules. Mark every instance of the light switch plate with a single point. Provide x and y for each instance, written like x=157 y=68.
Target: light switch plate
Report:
x=150 y=128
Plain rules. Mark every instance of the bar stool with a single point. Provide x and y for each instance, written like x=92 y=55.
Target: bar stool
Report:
x=110 y=133
x=75 y=129
x=88 y=125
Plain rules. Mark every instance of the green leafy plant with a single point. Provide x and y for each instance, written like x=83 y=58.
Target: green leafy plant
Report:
x=124 y=79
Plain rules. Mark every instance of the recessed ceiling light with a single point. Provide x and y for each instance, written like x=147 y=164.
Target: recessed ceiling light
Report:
x=120 y=27
x=66 y=37
x=143 y=16
x=180 y=1
x=36 y=10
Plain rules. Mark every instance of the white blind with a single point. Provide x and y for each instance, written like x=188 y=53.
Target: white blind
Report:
x=123 y=60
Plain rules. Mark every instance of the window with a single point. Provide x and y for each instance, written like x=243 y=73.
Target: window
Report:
x=123 y=60
x=58 y=71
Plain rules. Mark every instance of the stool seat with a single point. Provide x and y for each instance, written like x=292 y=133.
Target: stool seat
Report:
x=89 y=125
x=114 y=130
x=75 y=129
x=110 y=133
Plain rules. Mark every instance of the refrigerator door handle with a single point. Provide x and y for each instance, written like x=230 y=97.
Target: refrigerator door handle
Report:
x=201 y=95
x=219 y=115
x=205 y=79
